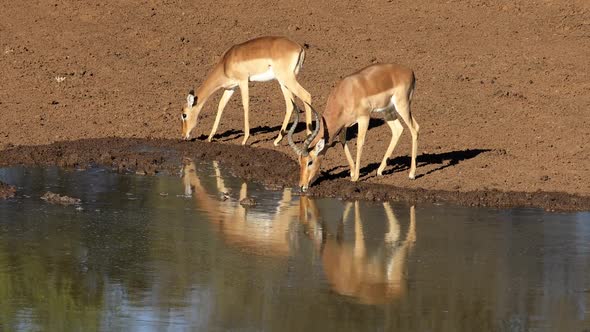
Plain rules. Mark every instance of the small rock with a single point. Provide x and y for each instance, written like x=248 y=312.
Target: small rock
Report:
x=273 y=187
x=247 y=202
x=7 y=191
x=54 y=198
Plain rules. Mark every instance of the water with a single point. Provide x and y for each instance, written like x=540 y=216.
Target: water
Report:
x=174 y=253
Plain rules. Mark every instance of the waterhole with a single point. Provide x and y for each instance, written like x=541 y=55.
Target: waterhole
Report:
x=153 y=253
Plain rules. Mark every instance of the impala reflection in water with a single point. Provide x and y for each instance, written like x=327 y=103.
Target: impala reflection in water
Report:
x=351 y=271
x=251 y=230
x=142 y=256
x=371 y=278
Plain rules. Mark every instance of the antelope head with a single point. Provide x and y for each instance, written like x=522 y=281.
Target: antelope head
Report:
x=189 y=116
x=309 y=158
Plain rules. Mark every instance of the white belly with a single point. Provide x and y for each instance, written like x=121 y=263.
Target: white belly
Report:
x=268 y=75
x=390 y=106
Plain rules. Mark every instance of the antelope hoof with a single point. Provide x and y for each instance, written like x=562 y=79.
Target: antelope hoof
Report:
x=245 y=140
x=380 y=172
x=412 y=176
x=278 y=140
x=210 y=138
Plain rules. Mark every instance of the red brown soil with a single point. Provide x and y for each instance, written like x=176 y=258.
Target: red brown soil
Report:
x=503 y=92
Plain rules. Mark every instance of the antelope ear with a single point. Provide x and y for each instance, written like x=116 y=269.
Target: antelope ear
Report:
x=320 y=146
x=191 y=100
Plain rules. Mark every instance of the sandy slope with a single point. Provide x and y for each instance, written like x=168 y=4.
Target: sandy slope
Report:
x=503 y=91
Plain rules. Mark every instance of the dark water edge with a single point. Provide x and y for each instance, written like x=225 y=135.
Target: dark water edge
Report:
x=140 y=254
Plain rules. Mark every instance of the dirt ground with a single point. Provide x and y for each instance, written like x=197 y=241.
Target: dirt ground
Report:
x=502 y=96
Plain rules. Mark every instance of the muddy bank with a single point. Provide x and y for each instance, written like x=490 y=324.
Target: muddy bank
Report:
x=152 y=156
x=273 y=168
x=551 y=201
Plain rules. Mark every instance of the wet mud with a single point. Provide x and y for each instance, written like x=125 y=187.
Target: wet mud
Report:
x=153 y=156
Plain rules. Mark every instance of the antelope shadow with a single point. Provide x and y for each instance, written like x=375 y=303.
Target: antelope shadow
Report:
x=402 y=163
x=373 y=123
x=231 y=134
x=300 y=127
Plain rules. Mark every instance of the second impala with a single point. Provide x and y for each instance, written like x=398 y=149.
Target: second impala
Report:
x=386 y=88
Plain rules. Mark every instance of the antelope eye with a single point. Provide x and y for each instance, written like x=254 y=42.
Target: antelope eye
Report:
x=309 y=162
x=184 y=116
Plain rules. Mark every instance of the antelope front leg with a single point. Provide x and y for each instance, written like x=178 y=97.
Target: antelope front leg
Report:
x=222 y=103
x=289 y=109
x=347 y=152
x=363 y=126
x=245 y=103
x=403 y=109
x=396 y=131
x=302 y=94
x=414 y=148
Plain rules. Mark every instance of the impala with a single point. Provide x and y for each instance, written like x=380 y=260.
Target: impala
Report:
x=380 y=88
x=257 y=60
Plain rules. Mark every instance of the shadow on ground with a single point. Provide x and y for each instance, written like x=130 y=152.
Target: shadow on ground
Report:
x=400 y=164
x=232 y=134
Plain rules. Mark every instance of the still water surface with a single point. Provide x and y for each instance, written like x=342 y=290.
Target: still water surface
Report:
x=175 y=253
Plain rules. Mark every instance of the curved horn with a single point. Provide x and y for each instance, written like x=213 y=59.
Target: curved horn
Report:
x=292 y=130
x=315 y=131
